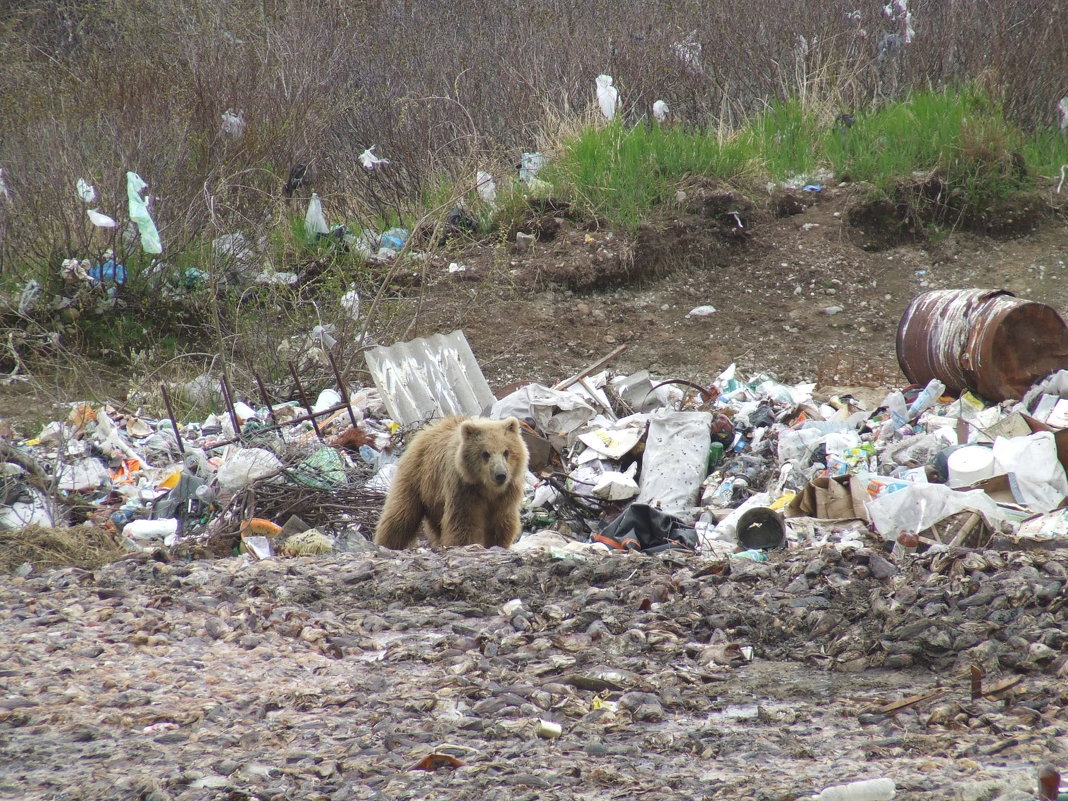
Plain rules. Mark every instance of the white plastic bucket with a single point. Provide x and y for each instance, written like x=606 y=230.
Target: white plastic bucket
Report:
x=970 y=464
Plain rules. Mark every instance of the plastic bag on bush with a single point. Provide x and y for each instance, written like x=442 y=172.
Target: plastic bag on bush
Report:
x=487 y=189
x=314 y=221
x=139 y=214
x=607 y=96
x=85 y=191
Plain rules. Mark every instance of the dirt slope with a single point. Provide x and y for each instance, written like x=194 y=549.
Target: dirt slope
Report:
x=799 y=292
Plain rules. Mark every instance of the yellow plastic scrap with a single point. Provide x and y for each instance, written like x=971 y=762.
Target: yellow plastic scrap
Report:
x=308 y=543
x=782 y=501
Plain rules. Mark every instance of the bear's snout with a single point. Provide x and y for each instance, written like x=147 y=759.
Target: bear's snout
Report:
x=500 y=476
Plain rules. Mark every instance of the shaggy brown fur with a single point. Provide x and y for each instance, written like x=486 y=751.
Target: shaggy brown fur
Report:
x=463 y=479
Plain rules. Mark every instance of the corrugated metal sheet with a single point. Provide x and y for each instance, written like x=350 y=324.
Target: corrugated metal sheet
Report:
x=988 y=341
x=429 y=377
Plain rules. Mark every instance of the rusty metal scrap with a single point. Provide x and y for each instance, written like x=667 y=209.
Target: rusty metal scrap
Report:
x=987 y=341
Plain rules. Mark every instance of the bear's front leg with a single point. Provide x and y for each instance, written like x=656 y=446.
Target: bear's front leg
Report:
x=460 y=526
x=503 y=526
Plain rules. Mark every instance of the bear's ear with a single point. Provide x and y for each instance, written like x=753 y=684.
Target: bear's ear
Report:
x=512 y=425
x=469 y=430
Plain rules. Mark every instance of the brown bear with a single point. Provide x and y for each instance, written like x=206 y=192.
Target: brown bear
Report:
x=463 y=478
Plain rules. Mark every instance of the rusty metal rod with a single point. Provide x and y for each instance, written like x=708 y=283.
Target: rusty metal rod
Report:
x=174 y=421
x=342 y=388
x=228 y=398
x=265 y=398
x=304 y=400
x=300 y=419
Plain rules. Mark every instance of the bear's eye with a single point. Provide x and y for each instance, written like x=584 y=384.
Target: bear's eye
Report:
x=485 y=456
x=506 y=454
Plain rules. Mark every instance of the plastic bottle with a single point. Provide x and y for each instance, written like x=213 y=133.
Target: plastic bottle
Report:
x=724 y=493
x=927 y=398
x=867 y=790
x=715 y=455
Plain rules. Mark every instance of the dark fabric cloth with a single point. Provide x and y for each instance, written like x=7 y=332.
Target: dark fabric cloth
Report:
x=653 y=530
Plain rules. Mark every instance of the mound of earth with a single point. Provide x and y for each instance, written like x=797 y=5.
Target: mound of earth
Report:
x=805 y=286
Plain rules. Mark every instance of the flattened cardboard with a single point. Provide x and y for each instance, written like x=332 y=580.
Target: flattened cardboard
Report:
x=832 y=498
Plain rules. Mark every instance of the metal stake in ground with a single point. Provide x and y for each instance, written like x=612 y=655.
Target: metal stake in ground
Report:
x=170 y=414
x=228 y=398
x=342 y=388
x=304 y=400
x=264 y=397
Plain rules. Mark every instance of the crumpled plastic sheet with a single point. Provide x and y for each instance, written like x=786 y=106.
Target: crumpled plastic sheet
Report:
x=920 y=506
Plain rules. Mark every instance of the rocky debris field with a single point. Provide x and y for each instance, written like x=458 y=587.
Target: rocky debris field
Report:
x=429 y=674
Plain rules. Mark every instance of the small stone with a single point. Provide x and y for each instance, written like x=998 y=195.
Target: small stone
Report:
x=881 y=568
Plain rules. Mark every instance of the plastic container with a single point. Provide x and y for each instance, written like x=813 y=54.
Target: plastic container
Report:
x=866 y=790
x=970 y=464
x=762 y=529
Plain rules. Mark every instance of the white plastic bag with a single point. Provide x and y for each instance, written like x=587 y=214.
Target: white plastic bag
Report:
x=660 y=111
x=314 y=221
x=370 y=161
x=139 y=214
x=100 y=220
x=85 y=191
x=912 y=509
x=675 y=460
x=245 y=466
x=607 y=96
x=487 y=188
x=233 y=123
x=1033 y=459
x=529 y=165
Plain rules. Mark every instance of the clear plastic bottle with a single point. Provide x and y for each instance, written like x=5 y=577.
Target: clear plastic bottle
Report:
x=867 y=790
x=724 y=492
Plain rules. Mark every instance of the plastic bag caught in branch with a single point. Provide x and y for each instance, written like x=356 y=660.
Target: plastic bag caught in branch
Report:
x=233 y=123
x=487 y=188
x=100 y=220
x=607 y=96
x=660 y=111
x=85 y=191
x=139 y=214
x=314 y=221
x=370 y=161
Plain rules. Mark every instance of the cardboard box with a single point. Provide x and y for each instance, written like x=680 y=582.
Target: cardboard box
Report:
x=1060 y=436
x=832 y=498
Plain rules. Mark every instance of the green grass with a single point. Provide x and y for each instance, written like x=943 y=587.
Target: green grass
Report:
x=622 y=173
x=959 y=135
x=1046 y=152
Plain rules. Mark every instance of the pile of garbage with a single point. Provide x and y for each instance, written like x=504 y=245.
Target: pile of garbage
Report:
x=738 y=468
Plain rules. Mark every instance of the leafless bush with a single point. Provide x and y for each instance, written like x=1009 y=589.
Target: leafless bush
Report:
x=440 y=87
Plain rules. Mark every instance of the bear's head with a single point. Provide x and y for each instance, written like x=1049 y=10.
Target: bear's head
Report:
x=492 y=453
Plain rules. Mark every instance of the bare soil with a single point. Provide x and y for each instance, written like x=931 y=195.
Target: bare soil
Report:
x=806 y=286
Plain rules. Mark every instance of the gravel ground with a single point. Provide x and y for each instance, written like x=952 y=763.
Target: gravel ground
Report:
x=670 y=677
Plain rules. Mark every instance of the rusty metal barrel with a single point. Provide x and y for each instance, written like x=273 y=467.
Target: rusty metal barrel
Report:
x=987 y=341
